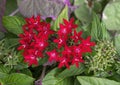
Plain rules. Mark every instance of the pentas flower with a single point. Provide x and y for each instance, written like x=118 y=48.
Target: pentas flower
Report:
x=63 y=31
x=40 y=43
x=53 y=55
x=60 y=42
x=86 y=44
x=67 y=51
x=29 y=57
x=70 y=45
x=77 y=36
x=32 y=22
x=77 y=59
x=70 y=24
x=34 y=39
x=63 y=61
x=70 y=53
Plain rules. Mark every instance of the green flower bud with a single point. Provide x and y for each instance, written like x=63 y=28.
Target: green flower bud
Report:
x=103 y=59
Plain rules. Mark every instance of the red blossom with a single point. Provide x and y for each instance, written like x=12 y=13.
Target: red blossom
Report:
x=60 y=42
x=87 y=44
x=32 y=22
x=53 y=55
x=76 y=60
x=70 y=24
x=63 y=62
x=67 y=51
x=77 y=50
x=77 y=36
x=30 y=59
x=35 y=37
x=64 y=31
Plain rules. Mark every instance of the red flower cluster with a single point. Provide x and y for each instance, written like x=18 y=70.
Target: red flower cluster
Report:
x=34 y=39
x=71 y=46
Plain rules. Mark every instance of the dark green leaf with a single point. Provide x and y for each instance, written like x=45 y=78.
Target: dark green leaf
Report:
x=20 y=66
x=72 y=71
x=83 y=13
x=1 y=35
x=17 y=79
x=51 y=79
x=10 y=42
x=26 y=71
x=115 y=77
x=98 y=30
x=76 y=82
x=10 y=6
x=4 y=69
x=84 y=80
x=3 y=75
x=13 y=24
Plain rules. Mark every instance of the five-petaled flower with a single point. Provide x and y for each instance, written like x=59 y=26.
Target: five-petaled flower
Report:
x=70 y=45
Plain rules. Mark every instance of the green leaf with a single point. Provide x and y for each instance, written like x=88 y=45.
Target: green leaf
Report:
x=3 y=75
x=115 y=77
x=83 y=13
x=63 y=15
x=10 y=42
x=84 y=80
x=97 y=6
x=17 y=79
x=98 y=29
x=10 y=6
x=72 y=71
x=13 y=24
x=51 y=79
x=20 y=66
x=2 y=35
x=3 y=69
x=76 y=82
x=26 y=71
x=111 y=15
x=117 y=42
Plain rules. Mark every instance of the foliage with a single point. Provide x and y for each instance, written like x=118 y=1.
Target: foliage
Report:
x=97 y=20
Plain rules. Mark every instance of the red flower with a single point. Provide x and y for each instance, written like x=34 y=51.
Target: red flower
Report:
x=40 y=44
x=31 y=59
x=86 y=44
x=63 y=62
x=70 y=24
x=60 y=42
x=77 y=50
x=76 y=60
x=35 y=37
x=53 y=55
x=64 y=31
x=77 y=36
x=67 y=51
x=32 y=22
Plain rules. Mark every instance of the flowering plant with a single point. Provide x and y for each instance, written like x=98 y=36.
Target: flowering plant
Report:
x=58 y=42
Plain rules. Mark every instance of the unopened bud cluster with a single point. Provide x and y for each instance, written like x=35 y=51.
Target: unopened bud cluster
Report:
x=104 y=57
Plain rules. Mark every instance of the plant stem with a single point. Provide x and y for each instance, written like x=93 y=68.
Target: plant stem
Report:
x=39 y=81
x=14 y=12
x=43 y=73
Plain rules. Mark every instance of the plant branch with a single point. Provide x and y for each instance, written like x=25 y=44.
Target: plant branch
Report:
x=14 y=12
x=43 y=72
x=39 y=81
